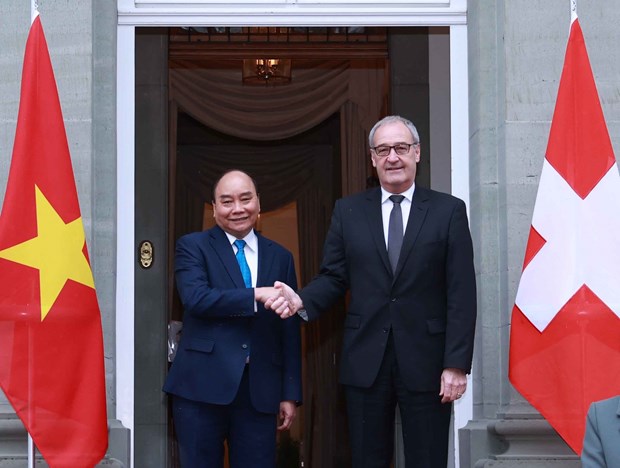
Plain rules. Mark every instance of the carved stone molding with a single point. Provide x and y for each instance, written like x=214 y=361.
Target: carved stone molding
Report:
x=291 y=12
x=514 y=440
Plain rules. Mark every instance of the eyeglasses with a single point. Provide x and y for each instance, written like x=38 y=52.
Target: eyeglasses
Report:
x=401 y=149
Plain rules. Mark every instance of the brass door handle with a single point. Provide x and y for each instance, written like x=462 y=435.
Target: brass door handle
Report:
x=147 y=254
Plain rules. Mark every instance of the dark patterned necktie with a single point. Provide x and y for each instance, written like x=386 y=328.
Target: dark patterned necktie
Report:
x=395 y=231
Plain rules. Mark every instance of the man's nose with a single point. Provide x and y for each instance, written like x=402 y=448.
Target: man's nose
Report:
x=392 y=156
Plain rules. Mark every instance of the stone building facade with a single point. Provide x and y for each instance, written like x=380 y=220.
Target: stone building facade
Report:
x=511 y=52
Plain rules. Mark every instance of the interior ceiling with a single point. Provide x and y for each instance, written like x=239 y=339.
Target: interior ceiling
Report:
x=309 y=44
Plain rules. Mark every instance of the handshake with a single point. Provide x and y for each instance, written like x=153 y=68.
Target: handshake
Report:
x=280 y=298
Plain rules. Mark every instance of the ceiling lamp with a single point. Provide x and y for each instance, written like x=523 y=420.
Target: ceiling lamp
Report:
x=266 y=71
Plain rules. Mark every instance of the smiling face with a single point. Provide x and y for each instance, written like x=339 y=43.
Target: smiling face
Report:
x=396 y=173
x=236 y=205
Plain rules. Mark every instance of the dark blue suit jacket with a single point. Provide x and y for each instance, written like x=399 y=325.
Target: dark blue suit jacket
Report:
x=220 y=326
x=429 y=303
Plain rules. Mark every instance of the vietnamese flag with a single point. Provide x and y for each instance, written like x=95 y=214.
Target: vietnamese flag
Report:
x=51 y=344
x=565 y=331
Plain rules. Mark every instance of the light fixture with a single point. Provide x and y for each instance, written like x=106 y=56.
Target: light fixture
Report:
x=266 y=71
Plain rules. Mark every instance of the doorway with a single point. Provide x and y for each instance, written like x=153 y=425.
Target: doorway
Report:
x=176 y=149
x=144 y=416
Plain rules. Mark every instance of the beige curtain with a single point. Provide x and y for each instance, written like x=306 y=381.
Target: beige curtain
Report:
x=355 y=88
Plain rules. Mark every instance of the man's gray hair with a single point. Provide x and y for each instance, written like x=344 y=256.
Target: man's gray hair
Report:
x=392 y=119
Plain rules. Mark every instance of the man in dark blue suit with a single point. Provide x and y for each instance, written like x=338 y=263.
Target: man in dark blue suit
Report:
x=236 y=376
x=405 y=255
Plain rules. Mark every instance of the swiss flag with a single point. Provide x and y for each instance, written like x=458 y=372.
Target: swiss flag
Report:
x=565 y=331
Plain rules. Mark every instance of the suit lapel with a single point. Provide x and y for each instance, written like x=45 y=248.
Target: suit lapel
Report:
x=375 y=224
x=265 y=261
x=417 y=214
x=224 y=250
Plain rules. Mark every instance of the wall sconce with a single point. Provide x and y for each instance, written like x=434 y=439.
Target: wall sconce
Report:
x=266 y=71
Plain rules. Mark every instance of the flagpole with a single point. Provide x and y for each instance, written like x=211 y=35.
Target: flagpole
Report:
x=31 y=450
x=34 y=11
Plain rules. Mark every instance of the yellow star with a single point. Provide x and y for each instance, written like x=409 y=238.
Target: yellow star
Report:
x=56 y=252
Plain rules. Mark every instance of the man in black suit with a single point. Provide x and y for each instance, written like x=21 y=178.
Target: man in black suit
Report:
x=238 y=366
x=409 y=328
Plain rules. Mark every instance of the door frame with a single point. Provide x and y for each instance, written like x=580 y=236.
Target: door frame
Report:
x=167 y=13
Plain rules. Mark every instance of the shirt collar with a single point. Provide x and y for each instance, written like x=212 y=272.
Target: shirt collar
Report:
x=408 y=194
x=251 y=240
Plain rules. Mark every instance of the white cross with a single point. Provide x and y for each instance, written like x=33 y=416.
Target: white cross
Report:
x=582 y=246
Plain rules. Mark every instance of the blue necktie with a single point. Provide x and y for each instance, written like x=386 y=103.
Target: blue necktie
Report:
x=243 y=263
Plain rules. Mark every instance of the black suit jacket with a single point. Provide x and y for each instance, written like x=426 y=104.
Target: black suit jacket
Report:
x=429 y=303
x=220 y=326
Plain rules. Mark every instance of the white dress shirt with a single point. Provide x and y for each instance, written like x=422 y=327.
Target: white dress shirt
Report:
x=251 y=256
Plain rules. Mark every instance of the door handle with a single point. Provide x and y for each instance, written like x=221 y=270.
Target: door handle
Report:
x=147 y=254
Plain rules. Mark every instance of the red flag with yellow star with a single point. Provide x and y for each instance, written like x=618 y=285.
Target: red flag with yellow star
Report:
x=51 y=344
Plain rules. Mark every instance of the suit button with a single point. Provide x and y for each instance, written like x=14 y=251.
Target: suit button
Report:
x=393 y=299
x=385 y=330
x=244 y=346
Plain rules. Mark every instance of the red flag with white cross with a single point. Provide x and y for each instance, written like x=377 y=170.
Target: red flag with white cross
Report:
x=565 y=330
x=51 y=343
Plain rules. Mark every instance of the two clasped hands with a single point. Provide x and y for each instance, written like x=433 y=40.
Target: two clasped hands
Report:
x=280 y=298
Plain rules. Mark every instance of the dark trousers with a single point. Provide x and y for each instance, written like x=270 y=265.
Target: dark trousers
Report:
x=371 y=413
x=202 y=428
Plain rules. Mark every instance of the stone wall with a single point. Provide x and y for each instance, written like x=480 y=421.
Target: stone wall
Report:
x=516 y=56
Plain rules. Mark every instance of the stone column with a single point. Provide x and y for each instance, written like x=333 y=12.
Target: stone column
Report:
x=516 y=56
